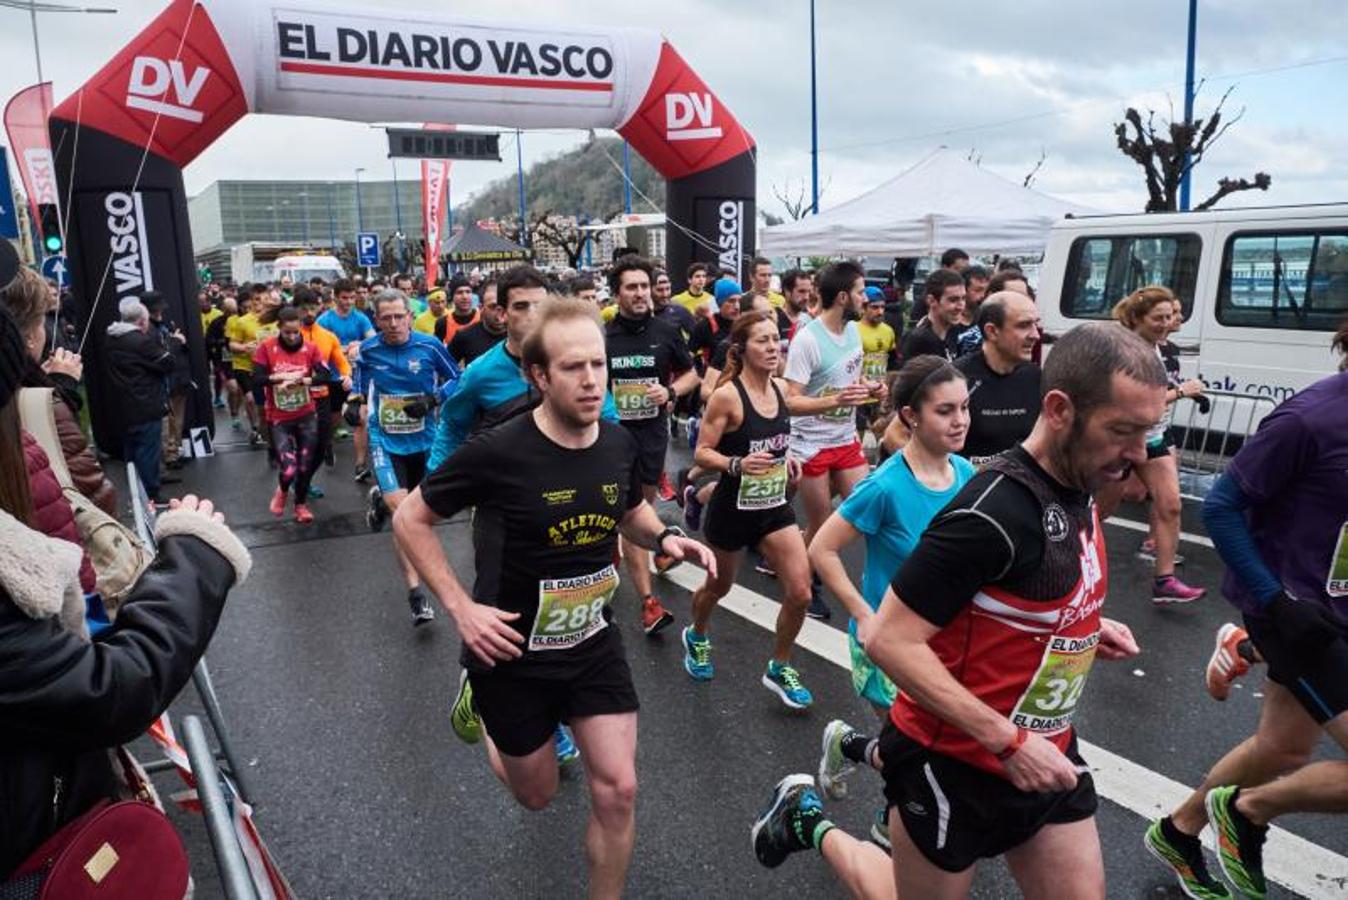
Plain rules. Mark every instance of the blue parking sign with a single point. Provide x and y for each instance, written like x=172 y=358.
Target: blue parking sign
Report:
x=367 y=248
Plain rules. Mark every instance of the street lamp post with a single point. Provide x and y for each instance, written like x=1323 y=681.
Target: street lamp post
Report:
x=519 y=163
x=360 y=215
x=627 y=178
x=398 y=214
x=814 y=123
x=1189 y=98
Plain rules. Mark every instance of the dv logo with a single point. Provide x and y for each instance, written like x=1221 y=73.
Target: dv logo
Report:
x=153 y=81
x=682 y=110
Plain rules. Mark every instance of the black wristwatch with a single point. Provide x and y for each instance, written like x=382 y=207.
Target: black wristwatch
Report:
x=660 y=538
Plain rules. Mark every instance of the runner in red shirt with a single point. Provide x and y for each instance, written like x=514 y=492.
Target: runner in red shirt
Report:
x=286 y=365
x=989 y=631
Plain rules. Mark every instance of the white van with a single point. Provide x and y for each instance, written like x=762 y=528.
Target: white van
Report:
x=1263 y=289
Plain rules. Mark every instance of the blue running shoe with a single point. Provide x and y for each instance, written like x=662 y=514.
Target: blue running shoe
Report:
x=692 y=508
x=316 y=492
x=784 y=681
x=567 y=751
x=694 y=426
x=697 y=656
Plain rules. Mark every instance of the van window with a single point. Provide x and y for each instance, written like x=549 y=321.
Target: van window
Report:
x=1284 y=280
x=1103 y=270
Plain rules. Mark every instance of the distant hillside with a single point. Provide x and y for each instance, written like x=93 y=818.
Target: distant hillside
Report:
x=580 y=181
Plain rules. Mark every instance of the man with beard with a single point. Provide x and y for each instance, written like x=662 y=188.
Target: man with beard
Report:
x=482 y=335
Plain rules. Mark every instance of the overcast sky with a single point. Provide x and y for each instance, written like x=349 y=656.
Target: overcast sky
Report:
x=896 y=81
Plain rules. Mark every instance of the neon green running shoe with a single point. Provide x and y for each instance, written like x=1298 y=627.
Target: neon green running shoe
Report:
x=1240 y=843
x=1184 y=854
x=463 y=715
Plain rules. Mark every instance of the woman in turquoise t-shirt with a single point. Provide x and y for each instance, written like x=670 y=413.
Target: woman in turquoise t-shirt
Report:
x=893 y=505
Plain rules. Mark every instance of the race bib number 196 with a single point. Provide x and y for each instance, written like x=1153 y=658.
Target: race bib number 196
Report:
x=571 y=610
x=1049 y=702
x=629 y=395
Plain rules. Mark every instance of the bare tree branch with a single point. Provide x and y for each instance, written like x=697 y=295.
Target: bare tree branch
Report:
x=1233 y=185
x=798 y=203
x=1029 y=178
x=563 y=233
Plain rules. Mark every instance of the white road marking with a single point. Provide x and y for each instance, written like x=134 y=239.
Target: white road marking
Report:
x=1185 y=536
x=1291 y=861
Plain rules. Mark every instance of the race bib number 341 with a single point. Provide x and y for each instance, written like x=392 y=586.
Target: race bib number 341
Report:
x=1048 y=704
x=571 y=610
x=393 y=417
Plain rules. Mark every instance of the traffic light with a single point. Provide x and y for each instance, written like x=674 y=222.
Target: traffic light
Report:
x=50 y=223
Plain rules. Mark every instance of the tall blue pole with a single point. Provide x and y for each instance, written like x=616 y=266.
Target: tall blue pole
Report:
x=627 y=178
x=519 y=162
x=1189 y=99
x=814 y=123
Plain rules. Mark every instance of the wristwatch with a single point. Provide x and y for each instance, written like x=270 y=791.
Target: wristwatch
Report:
x=660 y=538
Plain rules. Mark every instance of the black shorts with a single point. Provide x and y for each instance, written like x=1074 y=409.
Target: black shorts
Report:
x=728 y=528
x=652 y=442
x=1156 y=451
x=397 y=471
x=243 y=379
x=337 y=396
x=521 y=711
x=1319 y=682
x=957 y=814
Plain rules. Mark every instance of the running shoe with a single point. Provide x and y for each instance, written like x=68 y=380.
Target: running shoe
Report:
x=303 y=514
x=1183 y=853
x=341 y=434
x=665 y=488
x=567 y=751
x=784 y=681
x=375 y=513
x=362 y=474
x=317 y=492
x=833 y=766
x=880 y=829
x=1171 y=590
x=697 y=656
x=692 y=508
x=256 y=440
x=235 y=424
x=694 y=426
x=654 y=617
x=421 y=606
x=219 y=403
x=1240 y=842
x=680 y=482
x=788 y=824
x=1148 y=552
x=818 y=608
x=278 y=503
x=1226 y=664
x=463 y=717
x=763 y=567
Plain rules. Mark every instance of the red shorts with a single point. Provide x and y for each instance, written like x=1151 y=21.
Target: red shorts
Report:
x=834 y=459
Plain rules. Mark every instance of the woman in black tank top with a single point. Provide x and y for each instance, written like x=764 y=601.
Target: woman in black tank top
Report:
x=744 y=436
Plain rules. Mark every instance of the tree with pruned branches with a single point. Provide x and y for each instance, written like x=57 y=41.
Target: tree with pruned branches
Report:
x=563 y=233
x=795 y=199
x=1168 y=150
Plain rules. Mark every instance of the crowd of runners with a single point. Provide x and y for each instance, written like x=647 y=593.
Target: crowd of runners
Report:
x=976 y=478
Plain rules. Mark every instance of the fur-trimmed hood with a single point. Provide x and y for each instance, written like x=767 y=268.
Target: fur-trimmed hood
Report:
x=42 y=575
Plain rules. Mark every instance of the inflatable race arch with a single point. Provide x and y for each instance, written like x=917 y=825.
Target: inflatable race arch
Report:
x=122 y=140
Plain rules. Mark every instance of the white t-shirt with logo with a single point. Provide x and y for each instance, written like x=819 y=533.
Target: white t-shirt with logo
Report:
x=825 y=363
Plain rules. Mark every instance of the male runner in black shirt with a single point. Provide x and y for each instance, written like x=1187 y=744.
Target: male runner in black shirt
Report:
x=488 y=331
x=648 y=366
x=552 y=490
x=1003 y=383
x=938 y=332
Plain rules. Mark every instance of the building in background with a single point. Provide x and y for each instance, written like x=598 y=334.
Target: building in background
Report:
x=305 y=213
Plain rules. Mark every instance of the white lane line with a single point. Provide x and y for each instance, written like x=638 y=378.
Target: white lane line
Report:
x=1143 y=527
x=1291 y=861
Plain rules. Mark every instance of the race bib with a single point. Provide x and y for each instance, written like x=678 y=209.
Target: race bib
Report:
x=393 y=417
x=838 y=414
x=1048 y=704
x=764 y=491
x=1337 y=583
x=874 y=365
x=290 y=396
x=629 y=395
x=571 y=610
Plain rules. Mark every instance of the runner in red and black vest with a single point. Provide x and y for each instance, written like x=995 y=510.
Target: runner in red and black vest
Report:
x=989 y=630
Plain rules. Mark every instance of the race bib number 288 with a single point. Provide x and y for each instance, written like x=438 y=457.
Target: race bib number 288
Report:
x=571 y=610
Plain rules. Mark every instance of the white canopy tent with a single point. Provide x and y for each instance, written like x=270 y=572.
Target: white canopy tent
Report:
x=941 y=202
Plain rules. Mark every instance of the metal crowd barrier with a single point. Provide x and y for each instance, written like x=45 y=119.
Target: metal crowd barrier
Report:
x=235 y=875
x=1207 y=440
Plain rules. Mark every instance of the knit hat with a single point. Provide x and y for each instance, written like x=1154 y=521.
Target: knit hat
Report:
x=13 y=356
x=726 y=288
x=874 y=294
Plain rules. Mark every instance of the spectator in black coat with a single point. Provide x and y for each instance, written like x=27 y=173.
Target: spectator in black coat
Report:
x=139 y=366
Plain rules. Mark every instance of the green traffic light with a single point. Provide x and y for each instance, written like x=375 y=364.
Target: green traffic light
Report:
x=53 y=243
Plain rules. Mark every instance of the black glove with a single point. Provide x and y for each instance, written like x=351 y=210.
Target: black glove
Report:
x=1307 y=626
x=418 y=408
x=351 y=413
